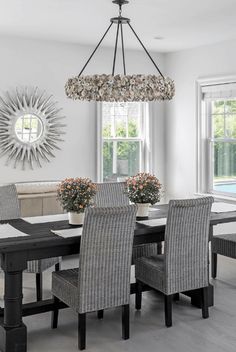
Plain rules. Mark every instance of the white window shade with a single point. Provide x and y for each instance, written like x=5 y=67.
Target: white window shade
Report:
x=219 y=91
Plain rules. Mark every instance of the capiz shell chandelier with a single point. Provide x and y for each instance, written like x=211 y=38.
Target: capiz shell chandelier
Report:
x=125 y=88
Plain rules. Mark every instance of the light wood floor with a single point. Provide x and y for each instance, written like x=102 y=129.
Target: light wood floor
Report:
x=190 y=333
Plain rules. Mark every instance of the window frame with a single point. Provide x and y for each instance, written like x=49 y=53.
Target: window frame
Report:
x=145 y=140
x=205 y=140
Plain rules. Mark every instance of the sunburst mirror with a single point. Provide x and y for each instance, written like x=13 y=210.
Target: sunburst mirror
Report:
x=30 y=127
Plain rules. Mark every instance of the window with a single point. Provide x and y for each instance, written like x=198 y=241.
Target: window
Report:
x=28 y=128
x=123 y=135
x=218 y=139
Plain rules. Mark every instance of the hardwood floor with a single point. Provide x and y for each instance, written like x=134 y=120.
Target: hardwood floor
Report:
x=148 y=333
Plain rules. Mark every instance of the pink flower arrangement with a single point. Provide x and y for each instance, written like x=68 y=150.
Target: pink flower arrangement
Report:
x=143 y=188
x=75 y=194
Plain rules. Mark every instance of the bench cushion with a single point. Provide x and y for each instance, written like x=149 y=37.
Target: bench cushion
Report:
x=37 y=187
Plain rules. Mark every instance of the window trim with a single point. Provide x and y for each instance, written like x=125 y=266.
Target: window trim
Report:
x=99 y=142
x=146 y=165
x=204 y=174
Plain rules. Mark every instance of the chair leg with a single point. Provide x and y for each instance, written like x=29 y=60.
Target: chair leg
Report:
x=39 y=286
x=58 y=267
x=125 y=322
x=54 y=318
x=213 y=265
x=82 y=331
x=176 y=297
x=138 y=295
x=168 y=310
x=159 y=248
x=205 y=308
x=100 y=314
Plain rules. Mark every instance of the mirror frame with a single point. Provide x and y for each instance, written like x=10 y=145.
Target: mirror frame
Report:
x=33 y=102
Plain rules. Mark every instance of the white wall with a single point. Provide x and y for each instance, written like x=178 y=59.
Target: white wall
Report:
x=48 y=65
x=185 y=68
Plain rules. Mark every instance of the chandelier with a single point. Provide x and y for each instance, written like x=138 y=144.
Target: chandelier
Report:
x=120 y=87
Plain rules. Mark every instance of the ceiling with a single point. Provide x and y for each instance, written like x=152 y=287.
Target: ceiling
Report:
x=181 y=23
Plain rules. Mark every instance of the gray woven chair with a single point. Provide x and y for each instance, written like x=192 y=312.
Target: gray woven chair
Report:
x=224 y=245
x=9 y=209
x=112 y=194
x=184 y=265
x=103 y=277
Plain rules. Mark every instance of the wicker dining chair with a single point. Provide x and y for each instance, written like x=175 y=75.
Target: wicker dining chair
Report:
x=184 y=264
x=112 y=194
x=9 y=209
x=103 y=278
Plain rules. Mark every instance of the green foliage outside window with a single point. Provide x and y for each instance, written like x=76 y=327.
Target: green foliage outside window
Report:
x=126 y=150
x=224 y=126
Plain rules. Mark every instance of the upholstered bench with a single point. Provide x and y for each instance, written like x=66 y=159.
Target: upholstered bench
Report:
x=224 y=245
x=38 y=198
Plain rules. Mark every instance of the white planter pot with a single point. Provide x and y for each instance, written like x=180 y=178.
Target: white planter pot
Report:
x=143 y=209
x=75 y=218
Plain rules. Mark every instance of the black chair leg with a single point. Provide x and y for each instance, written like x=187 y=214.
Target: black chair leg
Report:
x=168 y=310
x=176 y=297
x=58 y=267
x=54 y=319
x=205 y=308
x=125 y=322
x=100 y=314
x=213 y=265
x=159 y=248
x=138 y=295
x=82 y=331
x=39 y=286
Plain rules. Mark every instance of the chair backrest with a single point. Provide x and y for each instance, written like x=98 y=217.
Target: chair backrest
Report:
x=111 y=194
x=105 y=257
x=9 y=204
x=186 y=244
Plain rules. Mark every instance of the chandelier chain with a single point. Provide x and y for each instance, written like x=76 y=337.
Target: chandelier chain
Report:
x=100 y=42
x=119 y=26
x=120 y=10
x=120 y=87
x=144 y=48
x=115 y=50
x=123 y=48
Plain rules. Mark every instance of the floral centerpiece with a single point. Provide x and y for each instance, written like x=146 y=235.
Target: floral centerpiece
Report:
x=143 y=189
x=75 y=194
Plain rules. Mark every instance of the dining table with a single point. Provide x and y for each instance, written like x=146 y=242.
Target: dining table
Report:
x=40 y=238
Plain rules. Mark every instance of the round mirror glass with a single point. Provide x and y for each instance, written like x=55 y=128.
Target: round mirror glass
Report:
x=28 y=128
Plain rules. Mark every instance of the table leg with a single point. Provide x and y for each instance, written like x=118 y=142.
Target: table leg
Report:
x=13 y=333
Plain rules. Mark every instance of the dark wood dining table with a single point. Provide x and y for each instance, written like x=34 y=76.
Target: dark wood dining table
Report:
x=42 y=243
